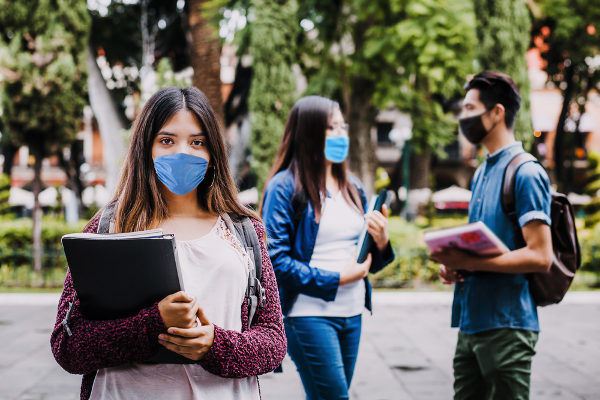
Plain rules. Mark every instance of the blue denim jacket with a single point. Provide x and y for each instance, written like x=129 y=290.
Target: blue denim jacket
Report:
x=291 y=247
x=487 y=300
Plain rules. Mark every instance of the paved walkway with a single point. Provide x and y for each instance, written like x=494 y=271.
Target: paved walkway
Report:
x=405 y=353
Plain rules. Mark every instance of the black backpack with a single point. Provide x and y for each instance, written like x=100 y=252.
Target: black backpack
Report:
x=546 y=287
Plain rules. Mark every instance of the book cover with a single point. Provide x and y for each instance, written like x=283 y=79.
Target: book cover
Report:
x=475 y=237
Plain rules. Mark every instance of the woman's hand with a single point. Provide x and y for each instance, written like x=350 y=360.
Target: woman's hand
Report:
x=377 y=226
x=355 y=271
x=192 y=343
x=178 y=310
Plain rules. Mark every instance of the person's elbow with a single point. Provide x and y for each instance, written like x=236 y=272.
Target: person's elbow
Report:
x=544 y=259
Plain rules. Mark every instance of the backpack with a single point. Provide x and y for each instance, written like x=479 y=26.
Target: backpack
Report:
x=243 y=229
x=546 y=287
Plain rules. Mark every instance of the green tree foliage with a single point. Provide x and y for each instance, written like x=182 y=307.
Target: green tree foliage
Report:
x=413 y=54
x=4 y=194
x=592 y=188
x=43 y=63
x=42 y=56
x=568 y=35
x=503 y=30
x=272 y=93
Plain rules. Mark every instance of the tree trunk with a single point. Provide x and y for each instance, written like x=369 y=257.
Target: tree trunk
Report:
x=110 y=123
x=8 y=151
x=559 y=158
x=420 y=169
x=361 y=118
x=71 y=169
x=205 y=53
x=37 y=213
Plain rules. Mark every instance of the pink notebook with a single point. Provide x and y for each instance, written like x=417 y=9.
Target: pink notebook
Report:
x=475 y=237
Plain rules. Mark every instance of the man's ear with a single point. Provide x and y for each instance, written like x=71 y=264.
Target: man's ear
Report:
x=499 y=113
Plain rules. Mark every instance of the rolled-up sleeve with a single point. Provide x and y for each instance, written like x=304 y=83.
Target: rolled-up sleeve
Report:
x=532 y=194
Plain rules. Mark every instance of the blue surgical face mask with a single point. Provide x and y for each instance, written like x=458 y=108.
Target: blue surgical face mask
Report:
x=336 y=148
x=180 y=172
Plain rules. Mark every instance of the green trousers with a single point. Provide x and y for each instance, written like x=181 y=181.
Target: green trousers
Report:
x=494 y=365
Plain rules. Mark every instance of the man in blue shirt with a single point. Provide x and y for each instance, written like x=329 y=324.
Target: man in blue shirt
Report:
x=493 y=308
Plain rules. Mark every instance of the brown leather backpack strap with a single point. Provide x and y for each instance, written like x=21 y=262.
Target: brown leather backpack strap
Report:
x=508 y=182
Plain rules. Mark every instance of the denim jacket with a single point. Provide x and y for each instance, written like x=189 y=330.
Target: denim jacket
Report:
x=291 y=247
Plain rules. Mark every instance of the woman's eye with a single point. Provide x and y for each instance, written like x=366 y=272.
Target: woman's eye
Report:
x=198 y=142
x=166 y=140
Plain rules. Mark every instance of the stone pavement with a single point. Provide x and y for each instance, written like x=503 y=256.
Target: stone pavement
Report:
x=406 y=351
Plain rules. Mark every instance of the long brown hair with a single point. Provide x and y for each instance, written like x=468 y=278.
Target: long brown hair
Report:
x=302 y=151
x=140 y=202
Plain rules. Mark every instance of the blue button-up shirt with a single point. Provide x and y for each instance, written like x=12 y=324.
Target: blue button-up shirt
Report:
x=487 y=300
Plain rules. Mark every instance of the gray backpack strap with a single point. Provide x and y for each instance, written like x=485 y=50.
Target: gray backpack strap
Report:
x=244 y=231
x=106 y=223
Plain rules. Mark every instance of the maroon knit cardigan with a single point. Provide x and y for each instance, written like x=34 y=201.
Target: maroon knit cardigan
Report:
x=102 y=344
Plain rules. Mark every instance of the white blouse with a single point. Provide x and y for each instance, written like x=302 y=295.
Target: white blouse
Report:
x=339 y=229
x=215 y=270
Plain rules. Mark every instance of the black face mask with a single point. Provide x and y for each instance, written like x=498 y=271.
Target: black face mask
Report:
x=473 y=129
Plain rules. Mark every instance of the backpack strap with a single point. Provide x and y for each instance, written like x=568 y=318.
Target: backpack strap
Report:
x=507 y=199
x=507 y=196
x=107 y=223
x=243 y=228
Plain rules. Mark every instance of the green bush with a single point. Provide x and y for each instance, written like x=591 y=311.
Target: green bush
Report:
x=589 y=240
x=412 y=265
x=16 y=250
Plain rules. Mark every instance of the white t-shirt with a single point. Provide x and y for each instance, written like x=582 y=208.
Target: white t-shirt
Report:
x=215 y=270
x=339 y=228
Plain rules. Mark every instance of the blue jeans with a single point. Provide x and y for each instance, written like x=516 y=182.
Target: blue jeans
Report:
x=324 y=350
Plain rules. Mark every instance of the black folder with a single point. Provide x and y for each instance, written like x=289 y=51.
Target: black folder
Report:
x=117 y=275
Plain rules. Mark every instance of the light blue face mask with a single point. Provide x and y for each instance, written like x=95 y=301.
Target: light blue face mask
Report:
x=180 y=172
x=336 y=148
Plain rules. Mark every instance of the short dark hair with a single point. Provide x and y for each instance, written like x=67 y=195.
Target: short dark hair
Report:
x=497 y=88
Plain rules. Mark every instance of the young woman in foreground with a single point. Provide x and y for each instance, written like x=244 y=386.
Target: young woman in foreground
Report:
x=176 y=177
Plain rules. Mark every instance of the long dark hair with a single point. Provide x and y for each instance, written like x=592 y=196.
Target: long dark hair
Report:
x=140 y=202
x=302 y=151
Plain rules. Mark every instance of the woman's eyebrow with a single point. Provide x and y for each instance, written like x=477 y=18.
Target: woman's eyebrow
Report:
x=174 y=134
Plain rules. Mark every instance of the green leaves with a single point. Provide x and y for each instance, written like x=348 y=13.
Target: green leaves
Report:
x=42 y=54
x=273 y=89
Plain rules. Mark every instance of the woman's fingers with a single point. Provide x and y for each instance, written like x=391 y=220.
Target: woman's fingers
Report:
x=202 y=317
x=384 y=211
x=180 y=296
x=187 y=332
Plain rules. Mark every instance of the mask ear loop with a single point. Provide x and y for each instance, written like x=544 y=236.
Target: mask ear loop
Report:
x=488 y=131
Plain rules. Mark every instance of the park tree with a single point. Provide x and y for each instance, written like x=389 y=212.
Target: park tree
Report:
x=503 y=33
x=567 y=32
x=407 y=53
x=205 y=53
x=273 y=89
x=267 y=38
x=42 y=59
